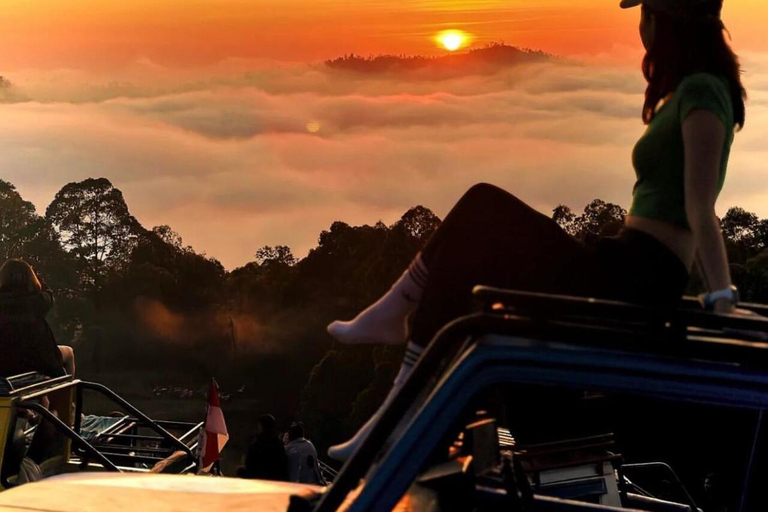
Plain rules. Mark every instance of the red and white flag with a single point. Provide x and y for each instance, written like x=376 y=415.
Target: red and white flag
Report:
x=213 y=435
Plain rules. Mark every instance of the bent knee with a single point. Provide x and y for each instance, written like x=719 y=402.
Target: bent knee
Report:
x=67 y=352
x=485 y=194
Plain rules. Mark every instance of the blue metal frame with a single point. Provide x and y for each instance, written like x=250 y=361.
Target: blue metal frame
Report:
x=654 y=351
x=502 y=360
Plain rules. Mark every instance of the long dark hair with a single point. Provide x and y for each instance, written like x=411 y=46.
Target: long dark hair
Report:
x=681 y=46
x=17 y=276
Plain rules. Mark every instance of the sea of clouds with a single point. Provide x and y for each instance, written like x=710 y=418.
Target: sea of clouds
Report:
x=234 y=160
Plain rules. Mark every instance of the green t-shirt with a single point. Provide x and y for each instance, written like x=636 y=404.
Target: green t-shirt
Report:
x=658 y=156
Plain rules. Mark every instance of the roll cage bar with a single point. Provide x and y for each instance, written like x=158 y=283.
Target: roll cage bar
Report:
x=104 y=448
x=138 y=417
x=715 y=353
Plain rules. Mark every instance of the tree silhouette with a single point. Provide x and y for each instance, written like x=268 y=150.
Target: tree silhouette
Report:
x=566 y=219
x=598 y=218
x=496 y=54
x=418 y=222
x=95 y=226
x=162 y=268
x=19 y=223
x=601 y=218
x=745 y=234
x=25 y=234
x=753 y=284
x=169 y=236
x=279 y=254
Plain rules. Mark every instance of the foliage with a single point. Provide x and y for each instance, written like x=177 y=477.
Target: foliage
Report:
x=20 y=225
x=418 y=223
x=95 y=226
x=754 y=283
x=565 y=218
x=24 y=234
x=279 y=254
x=599 y=218
x=168 y=235
x=745 y=234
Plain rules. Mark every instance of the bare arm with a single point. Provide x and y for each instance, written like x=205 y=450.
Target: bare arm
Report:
x=703 y=138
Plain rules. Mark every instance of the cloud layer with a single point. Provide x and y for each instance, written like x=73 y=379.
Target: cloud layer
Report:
x=273 y=156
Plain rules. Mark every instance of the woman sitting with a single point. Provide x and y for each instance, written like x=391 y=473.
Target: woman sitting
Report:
x=26 y=340
x=694 y=103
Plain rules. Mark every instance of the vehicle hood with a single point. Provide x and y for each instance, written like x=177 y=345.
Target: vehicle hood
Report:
x=101 y=492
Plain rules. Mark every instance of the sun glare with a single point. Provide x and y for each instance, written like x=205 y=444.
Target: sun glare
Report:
x=452 y=40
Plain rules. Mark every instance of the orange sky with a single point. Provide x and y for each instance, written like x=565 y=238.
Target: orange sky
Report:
x=98 y=34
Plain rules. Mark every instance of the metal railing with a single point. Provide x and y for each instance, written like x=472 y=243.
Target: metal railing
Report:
x=102 y=449
x=145 y=420
x=71 y=434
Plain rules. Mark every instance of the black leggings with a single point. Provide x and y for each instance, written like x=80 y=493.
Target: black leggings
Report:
x=492 y=238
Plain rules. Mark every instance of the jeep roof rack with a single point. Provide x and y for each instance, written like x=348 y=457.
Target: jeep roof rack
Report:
x=700 y=344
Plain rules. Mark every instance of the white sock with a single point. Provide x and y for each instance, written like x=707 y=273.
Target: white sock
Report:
x=342 y=452
x=385 y=321
x=410 y=358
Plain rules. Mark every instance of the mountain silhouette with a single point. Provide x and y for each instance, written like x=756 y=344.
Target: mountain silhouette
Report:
x=480 y=60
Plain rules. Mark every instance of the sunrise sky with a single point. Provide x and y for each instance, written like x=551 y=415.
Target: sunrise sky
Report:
x=97 y=34
x=218 y=118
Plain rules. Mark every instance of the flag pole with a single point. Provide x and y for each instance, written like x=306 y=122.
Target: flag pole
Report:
x=213 y=435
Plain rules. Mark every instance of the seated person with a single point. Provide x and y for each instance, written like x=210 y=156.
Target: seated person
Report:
x=266 y=458
x=302 y=457
x=26 y=340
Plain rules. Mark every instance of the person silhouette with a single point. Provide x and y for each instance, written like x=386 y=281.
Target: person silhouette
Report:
x=303 y=465
x=266 y=458
x=26 y=340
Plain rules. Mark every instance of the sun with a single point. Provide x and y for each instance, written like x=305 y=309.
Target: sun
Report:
x=452 y=40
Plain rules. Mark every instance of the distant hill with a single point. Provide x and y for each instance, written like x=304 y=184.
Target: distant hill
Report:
x=493 y=56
